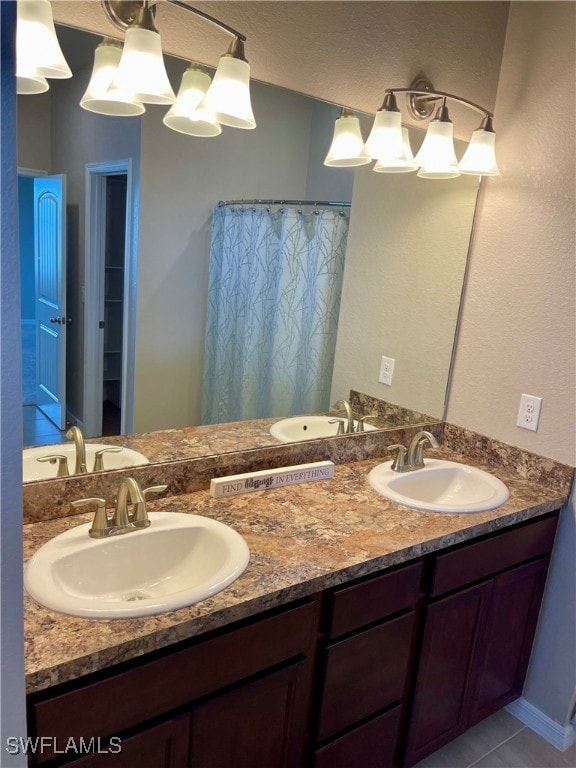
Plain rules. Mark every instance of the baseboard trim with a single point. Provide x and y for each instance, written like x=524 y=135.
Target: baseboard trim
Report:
x=559 y=736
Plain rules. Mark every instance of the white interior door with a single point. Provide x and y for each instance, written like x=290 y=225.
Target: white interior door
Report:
x=51 y=319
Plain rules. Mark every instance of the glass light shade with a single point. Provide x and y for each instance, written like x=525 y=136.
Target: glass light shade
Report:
x=186 y=115
x=97 y=97
x=436 y=157
x=228 y=97
x=30 y=84
x=405 y=164
x=141 y=70
x=347 y=148
x=480 y=158
x=385 y=142
x=38 y=52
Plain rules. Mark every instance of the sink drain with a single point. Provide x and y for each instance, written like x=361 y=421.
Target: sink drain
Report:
x=133 y=596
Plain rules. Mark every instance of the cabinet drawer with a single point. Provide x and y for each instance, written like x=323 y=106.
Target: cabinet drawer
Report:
x=372 y=745
x=131 y=697
x=485 y=558
x=365 y=674
x=375 y=599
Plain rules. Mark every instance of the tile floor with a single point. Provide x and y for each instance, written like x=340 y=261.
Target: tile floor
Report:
x=500 y=741
x=38 y=429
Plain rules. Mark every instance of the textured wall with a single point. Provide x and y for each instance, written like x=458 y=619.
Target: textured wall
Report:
x=517 y=331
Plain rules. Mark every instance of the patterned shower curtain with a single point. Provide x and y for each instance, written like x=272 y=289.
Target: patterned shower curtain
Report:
x=275 y=281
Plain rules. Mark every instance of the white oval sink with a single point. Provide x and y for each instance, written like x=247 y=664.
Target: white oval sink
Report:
x=37 y=470
x=298 y=428
x=178 y=560
x=442 y=486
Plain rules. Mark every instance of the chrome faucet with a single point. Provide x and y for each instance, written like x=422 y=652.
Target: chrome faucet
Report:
x=349 y=423
x=412 y=458
x=80 y=464
x=122 y=520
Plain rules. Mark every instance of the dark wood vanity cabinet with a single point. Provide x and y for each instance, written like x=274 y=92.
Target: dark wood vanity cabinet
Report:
x=377 y=673
x=365 y=669
x=237 y=698
x=480 y=624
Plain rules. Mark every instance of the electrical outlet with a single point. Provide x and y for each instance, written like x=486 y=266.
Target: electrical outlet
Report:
x=529 y=412
x=386 y=370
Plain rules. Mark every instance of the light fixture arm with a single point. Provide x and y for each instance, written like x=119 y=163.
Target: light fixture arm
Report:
x=423 y=98
x=123 y=14
x=209 y=18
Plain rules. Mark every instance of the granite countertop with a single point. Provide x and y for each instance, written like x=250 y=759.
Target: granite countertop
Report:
x=302 y=539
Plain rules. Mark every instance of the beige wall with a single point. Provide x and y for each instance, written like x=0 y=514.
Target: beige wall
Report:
x=405 y=264
x=518 y=325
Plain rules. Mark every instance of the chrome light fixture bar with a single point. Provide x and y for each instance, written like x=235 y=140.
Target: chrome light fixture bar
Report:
x=388 y=142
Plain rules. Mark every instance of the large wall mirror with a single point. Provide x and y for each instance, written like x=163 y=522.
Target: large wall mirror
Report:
x=404 y=270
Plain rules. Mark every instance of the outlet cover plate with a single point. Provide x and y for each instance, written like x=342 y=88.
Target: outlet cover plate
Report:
x=386 y=370
x=529 y=412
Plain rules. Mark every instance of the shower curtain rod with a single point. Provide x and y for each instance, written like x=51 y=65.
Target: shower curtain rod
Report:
x=284 y=202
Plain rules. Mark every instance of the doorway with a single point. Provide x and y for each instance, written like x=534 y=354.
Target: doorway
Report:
x=113 y=306
x=109 y=279
x=38 y=428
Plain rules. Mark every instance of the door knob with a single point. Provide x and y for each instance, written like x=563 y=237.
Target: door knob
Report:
x=61 y=320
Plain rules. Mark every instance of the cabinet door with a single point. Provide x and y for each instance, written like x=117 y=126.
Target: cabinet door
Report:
x=163 y=746
x=448 y=652
x=507 y=639
x=262 y=723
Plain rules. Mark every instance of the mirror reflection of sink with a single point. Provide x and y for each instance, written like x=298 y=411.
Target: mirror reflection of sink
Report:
x=36 y=470
x=297 y=428
x=441 y=486
x=179 y=560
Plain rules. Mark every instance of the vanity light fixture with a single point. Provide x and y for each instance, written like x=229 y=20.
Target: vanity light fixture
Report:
x=97 y=97
x=347 y=145
x=389 y=143
x=436 y=158
x=38 y=52
x=186 y=115
x=227 y=99
x=141 y=70
x=125 y=78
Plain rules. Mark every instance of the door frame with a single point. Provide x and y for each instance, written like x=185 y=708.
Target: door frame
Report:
x=94 y=249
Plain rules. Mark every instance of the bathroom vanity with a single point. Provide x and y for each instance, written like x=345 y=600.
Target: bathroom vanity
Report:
x=361 y=633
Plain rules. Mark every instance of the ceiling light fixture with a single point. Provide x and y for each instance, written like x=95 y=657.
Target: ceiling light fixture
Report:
x=389 y=143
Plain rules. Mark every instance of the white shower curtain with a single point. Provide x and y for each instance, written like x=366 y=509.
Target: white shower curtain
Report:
x=275 y=281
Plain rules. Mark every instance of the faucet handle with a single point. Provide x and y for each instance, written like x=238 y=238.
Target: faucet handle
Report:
x=155 y=489
x=59 y=458
x=140 y=512
x=340 y=422
x=99 y=461
x=100 y=522
x=398 y=463
x=362 y=420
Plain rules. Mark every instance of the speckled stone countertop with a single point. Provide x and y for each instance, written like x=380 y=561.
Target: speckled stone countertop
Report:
x=302 y=539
